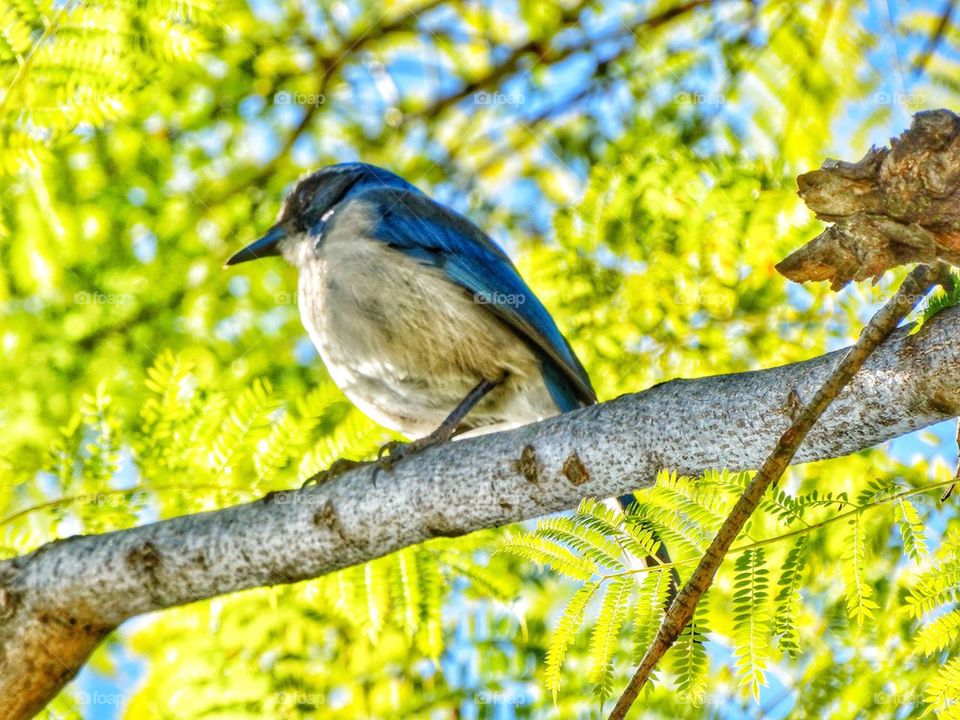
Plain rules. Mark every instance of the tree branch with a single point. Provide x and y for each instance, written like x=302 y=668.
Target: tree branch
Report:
x=685 y=603
x=57 y=603
x=896 y=206
x=935 y=38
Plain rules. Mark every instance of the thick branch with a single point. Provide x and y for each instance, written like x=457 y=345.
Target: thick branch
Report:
x=59 y=601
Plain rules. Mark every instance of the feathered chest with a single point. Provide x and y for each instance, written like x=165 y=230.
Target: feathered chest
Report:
x=364 y=303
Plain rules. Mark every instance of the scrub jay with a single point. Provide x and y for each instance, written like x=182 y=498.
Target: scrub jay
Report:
x=420 y=318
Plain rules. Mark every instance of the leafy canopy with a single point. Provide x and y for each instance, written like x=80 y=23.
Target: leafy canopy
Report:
x=638 y=163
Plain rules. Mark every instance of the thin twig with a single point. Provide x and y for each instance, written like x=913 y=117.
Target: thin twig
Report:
x=916 y=285
x=956 y=477
x=934 y=40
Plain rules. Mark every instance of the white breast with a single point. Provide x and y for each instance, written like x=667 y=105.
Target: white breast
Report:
x=406 y=344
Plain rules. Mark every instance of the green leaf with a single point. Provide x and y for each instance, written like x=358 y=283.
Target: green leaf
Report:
x=788 y=598
x=246 y=418
x=484 y=580
x=564 y=636
x=433 y=586
x=408 y=591
x=594 y=545
x=942 y=299
x=751 y=619
x=690 y=657
x=648 y=610
x=545 y=552
x=606 y=633
x=938 y=586
x=860 y=603
x=635 y=541
x=943 y=690
x=911 y=530
x=939 y=634
x=376 y=597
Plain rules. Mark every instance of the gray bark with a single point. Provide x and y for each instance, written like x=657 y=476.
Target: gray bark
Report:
x=58 y=602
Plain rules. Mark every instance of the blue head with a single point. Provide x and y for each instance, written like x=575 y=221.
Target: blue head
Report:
x=311 y=203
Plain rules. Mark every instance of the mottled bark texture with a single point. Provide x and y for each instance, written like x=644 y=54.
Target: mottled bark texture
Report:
x=59 y=601
x=898 y=205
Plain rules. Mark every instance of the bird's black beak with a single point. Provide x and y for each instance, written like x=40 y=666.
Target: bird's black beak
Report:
x=266 y=246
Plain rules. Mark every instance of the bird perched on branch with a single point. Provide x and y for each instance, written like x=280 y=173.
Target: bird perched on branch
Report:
x=420 y=318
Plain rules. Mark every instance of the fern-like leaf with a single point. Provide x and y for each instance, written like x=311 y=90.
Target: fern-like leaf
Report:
x=942 y=299
x=407 y=590
x=376 y=596
x=545 y=552
x=751 y=619
x=705 y=509
x=171 y=383
x=681 y=535
x=877 y=490
x=634 y=540
x=911 y=530
x=590 y=543
x=354 y=436
x=484 y=581
x=690 y=657
x=648 y=610
x=939 y=634
x=860 y=603
x=943 y=691
x=788 y=597
x=249 y=413
x=564 y=636
x=433 y=589
x=606 y=632
x=938 y=586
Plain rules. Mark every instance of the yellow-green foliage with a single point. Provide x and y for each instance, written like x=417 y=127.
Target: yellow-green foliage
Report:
x=78 y=62
x=742 y=608
x=644 y=184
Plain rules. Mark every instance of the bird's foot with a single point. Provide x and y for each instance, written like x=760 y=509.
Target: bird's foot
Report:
x=339 y=467
x=396 y=450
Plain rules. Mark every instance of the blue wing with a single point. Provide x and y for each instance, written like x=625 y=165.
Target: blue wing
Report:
x=421 y=228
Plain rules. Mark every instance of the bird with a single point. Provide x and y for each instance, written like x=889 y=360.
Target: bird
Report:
x=420 y=318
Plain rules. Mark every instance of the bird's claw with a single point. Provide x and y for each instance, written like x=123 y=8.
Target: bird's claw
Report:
x=339 y=467
x=393 y=452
